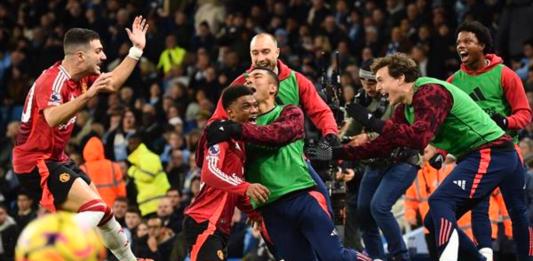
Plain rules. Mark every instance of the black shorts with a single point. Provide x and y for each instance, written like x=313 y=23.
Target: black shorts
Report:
x=61 y=176
x=214 y=248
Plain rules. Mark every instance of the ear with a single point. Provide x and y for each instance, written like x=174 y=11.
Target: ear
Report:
x=401 y=79
x=80 y=56
x=229 y=112
x=273 y=89
x=277 y=53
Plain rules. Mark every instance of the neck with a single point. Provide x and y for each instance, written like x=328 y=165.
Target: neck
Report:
x=266 y=106
x=71 y=69
x=410 y=93
x=476 y=65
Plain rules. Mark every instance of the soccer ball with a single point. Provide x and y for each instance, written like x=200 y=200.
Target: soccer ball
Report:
x=58 y=237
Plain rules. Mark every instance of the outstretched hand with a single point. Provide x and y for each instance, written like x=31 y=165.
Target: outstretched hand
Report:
x=219 y=131
x=137 y=34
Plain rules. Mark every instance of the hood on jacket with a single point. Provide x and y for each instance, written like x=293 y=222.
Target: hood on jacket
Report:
x=93 y=150
x=494 y=60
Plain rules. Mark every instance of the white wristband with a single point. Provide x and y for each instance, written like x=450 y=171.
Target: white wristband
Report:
x=135 y=53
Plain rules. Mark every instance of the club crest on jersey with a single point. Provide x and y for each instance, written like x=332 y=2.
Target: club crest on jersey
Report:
x=64 y=177
x=214 y=150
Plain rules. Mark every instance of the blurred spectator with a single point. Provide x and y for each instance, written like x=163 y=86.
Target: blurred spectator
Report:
x=157 y=244
x=6 y=145
x=106 y=175
x=116 y=139
x=151 y=128
x=526 y=61
x=173 y=55
x=9 y=231
x=147 y=173
x=25 y=210
x=165 y=212
x=119 y=207
x=133 y=219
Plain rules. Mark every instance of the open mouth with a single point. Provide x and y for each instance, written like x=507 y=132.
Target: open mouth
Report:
x=463 y=54
x=252 y=119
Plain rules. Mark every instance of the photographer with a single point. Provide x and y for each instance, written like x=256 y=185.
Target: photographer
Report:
x=384 y=180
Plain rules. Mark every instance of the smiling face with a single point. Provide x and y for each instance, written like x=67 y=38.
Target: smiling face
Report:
x=244 y=109
x=369 y=85
x=390 y=86
x=264 y=51
x=469 y=48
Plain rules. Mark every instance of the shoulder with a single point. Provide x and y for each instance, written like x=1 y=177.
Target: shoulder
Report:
x=509 y=73
x=432 y=93
x=291 y=108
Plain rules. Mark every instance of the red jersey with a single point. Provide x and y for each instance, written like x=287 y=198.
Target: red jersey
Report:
x=223 y=186
x=36 y=139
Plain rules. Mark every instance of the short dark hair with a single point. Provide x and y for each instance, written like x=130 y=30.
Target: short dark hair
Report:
x=232 y=93
x=481 y=32
x=134 y=209
x=176 y=188
x=76 y=37
x=399 y=64
x=122 y=199
x=270 y=73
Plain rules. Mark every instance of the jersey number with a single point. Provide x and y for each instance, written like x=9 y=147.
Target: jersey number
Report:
x=26 y=114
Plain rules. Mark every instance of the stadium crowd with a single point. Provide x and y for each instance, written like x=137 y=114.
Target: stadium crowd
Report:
x=194 y=50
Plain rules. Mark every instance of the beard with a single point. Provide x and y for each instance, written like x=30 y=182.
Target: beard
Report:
x=271 y=64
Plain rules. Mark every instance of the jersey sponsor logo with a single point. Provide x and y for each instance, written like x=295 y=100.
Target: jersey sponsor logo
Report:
x=69 y=122
x=64 y=177
x=460 y=183
x=214 y=150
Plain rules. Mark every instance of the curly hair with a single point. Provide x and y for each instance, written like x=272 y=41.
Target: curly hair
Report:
x=399 y=64
x=481 y=32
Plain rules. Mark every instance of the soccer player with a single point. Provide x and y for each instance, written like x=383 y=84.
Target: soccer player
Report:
x=295 y=213
x=294 y=88
x=499 y=92
x=430 y=110
x=48 y=118
x=208 y=218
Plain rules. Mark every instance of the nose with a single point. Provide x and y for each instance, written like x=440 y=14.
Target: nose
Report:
x=378 y=87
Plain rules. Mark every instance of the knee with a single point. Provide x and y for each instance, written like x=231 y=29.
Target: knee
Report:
x=100 y=208
x=380 y=207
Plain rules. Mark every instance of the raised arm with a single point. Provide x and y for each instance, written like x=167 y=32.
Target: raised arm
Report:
x=137 y=36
